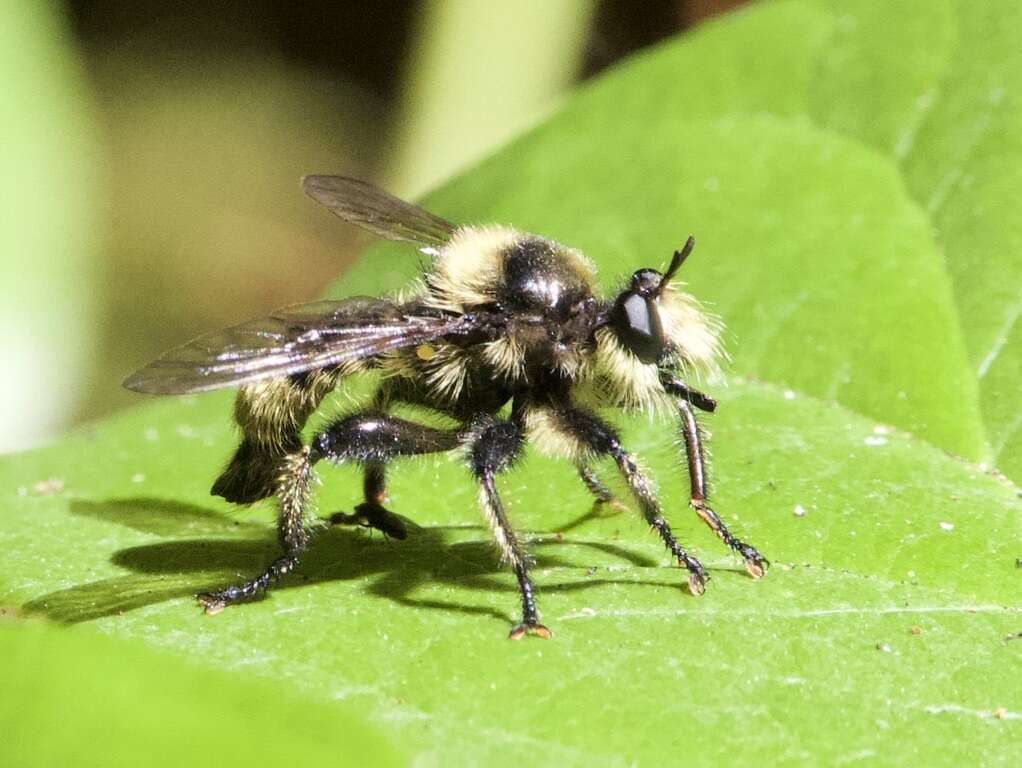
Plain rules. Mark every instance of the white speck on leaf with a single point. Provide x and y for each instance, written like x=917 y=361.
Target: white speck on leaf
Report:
x=947 y=526
x=799 y=510
x=875 y=441
x=49 y=487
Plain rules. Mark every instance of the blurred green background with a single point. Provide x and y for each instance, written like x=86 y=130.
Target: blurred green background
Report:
x=150 y=156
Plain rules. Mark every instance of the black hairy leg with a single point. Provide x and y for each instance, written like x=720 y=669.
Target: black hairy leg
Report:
x=293 y=489
x=599 y=438
x=675 y=386
x=595 y=485
x=598 y=488
x=371 y=513
x=369 y=437
x=755 y=563
x=493 y=448
x=372 y=437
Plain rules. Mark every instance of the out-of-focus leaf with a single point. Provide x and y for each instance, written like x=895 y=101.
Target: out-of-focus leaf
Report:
x=50 y=202
x=75 y=698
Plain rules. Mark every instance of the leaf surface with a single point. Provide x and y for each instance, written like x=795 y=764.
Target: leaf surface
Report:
x=880 y=635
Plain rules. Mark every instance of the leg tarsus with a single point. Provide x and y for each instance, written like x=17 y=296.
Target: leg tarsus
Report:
x=697 y=574
x=530 y=613
x=371 y=515
x=214 y=602
x=293 y=488
x=532 y=628
x=599 y=489
x=755 y=564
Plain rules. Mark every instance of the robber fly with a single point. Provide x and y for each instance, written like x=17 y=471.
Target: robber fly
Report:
x=499 y=317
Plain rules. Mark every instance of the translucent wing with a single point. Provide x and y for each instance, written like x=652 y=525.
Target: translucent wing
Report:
x=293 y=340
x=382 y=214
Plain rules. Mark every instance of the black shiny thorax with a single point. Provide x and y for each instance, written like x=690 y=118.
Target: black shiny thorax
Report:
x=538 y=277
x=549 y=300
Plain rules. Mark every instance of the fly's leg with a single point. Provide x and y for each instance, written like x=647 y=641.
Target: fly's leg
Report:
x=371 y=513
x=372 y=438
x=293 y=491
x=755 y=563
x=493 y=447
x=598 y=488
x=369 y=437
x=601 y=439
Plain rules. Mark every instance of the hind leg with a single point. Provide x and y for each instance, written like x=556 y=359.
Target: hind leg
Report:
x=372 y=438
x=369 y=437
x=293 y=490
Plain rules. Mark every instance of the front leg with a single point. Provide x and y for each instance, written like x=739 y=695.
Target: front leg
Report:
x=675 y=386
x=755 y=563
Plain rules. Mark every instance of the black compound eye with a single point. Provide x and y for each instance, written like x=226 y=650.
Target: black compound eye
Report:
x=637 y=322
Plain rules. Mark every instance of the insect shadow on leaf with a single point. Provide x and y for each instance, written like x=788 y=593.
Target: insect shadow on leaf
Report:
x=205 y=547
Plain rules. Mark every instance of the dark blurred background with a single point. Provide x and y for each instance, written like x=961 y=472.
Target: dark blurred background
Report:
x=150 y=154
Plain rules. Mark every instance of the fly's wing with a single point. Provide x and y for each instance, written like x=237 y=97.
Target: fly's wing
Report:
x=293 y=340
x=382 y=214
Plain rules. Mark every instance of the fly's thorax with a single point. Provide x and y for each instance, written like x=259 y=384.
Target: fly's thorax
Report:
x=542 y=291
x=467 y=270
x=546 y=293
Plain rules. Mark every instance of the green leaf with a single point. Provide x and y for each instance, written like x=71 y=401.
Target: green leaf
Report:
x=128 y=705
x=881 y=633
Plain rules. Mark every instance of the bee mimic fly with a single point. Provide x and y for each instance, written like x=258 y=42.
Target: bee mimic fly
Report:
x=504 y=334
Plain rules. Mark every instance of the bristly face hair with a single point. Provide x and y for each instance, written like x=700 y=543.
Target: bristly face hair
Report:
x=499 y=318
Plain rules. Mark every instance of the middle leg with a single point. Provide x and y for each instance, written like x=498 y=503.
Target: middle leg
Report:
x=598 y=488
x=493 y=447
x=371 y=513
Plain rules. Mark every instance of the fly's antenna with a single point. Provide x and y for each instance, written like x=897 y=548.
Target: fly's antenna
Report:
x=676 y=262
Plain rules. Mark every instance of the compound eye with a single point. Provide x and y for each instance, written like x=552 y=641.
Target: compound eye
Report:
x=637 y=322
